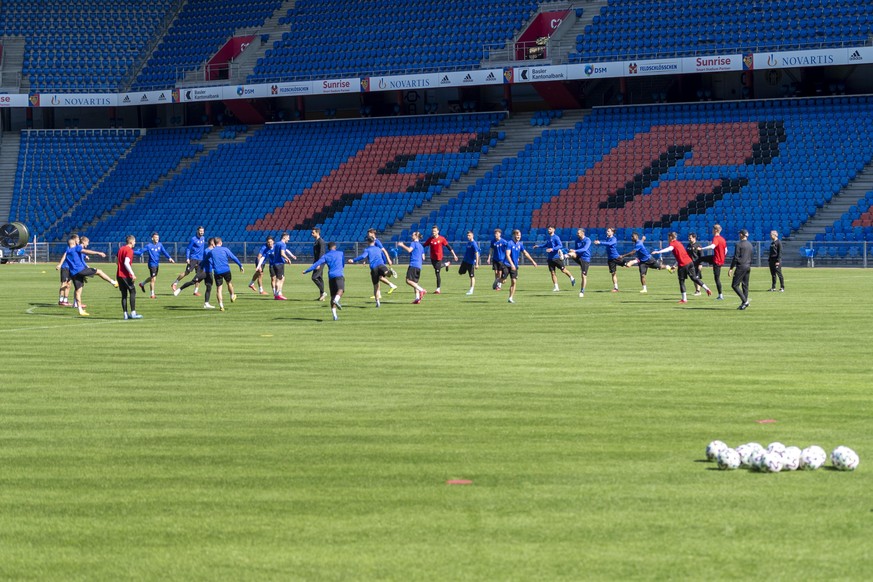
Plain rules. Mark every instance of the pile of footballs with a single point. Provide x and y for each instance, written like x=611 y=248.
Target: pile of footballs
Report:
x=777 y=457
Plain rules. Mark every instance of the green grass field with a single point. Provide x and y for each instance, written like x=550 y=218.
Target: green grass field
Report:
x=270 y=442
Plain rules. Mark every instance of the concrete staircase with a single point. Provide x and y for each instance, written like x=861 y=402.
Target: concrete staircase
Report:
x=825 y=217
x=150 y=49
x=564 y=40
x=12 y=64
x=244 y=64
x=10 y=143
x=210 y=143
x=519 y=133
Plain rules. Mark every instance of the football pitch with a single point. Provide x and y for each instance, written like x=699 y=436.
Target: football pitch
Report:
x=270 y=442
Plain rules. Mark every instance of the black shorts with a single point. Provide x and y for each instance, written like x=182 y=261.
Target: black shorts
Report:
x=582 y=264
x=467 y=268
x=65 y=275
x=555 y=265
x=438 y=264
x=153 y=271
x=222 y=277
x=413 y=274
x=497 y=266
x=652 y=262
x=614 y=264
x=336 y=285
x=513 y=273
x=80 y=277
x=206 y=277
x=192 y=266
x=380 y=271
x=278 y=271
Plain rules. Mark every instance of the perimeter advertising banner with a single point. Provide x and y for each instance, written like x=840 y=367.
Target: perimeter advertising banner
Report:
x=540 y=74
x=77 y=100
x=798 y=59
x=649 y=68
x=712 y=64
x=596 y=71
x=145 y=98
x=14 y=100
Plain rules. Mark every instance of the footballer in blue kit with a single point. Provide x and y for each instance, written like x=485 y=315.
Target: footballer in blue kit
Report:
x=416 y=259
x=204 y=274
x=470 y=260
x=613 y=257
x=555 y=249
x=644 y=259
x=258 y=276
x=497 y=258
x=193 y=255
x=514 y=251
x=155 y=250
x=581 y=254
x=220 y=260
x=77 y=248
x=336 y=280
x=379 y=270
x=277 y=257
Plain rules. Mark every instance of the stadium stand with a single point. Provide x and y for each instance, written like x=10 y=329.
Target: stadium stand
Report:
x=346 y=176
x=638 y=28
x=57 y=168
x=336 y=37
x=755 y=165
x=151 y=157
x=81 y=44
x=199 y=30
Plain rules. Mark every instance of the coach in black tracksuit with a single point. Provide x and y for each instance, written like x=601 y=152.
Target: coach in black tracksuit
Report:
x=741 y=266
x=775 y=260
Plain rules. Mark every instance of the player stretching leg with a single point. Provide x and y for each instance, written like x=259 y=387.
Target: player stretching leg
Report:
x=470 y=261
x=581 y=254
x=644 y=259
x=154 y=249
x=336 y=280
x=204 y=274
x=127 y=278
x=378 y=269
x=514 y=251
x=258 y=276
x=66 y=280
x=695 y=252
x=555 y=248
x=413 y=272
x=686 y=266
x=719 y=248
x=193 y=256
x=80 y=272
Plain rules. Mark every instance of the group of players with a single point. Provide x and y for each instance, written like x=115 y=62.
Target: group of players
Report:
x=210 y=262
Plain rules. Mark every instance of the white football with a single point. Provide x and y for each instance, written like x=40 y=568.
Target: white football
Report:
x=713 y=449
x=771 y=462
x=845 y=459
x=791 y=459
x=728 y=460
x=745 y=452
x=776 y=447
x=756 y=461
x=812 y=458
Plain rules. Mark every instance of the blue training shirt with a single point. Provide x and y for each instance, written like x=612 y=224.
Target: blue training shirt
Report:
x=611 y=245
x=498 y=250
x=155 y=251
x=263 y=252
x=335 y=261
x=515 y=249
x=76 y=259
x=206 y=263
x=277 y=255
x=221 y=258
x=642 y=252
x=416 y=256
x=471 y=252
x=554 y=243
x=374 y=256
x=195 y=248
x=583 y=248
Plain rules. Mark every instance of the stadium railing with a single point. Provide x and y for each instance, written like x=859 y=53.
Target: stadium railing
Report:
x=795 y=254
